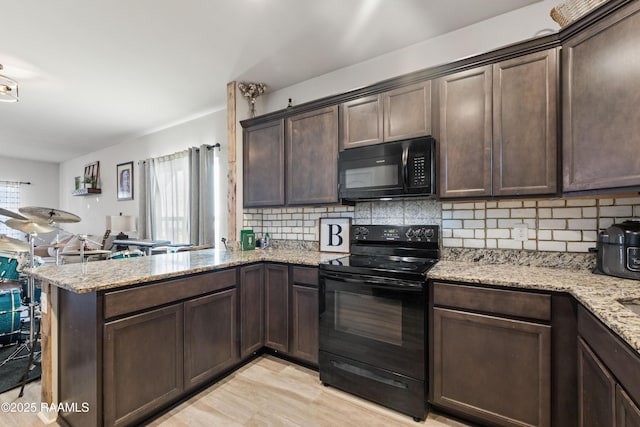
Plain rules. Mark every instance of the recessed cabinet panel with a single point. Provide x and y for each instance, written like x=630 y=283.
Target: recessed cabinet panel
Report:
x=312 y=157
x=465 y=133
x=596 y=390
x=276 y=285
x=525 y=125
x=362 y=122
x=407 y=112
x=263 y=165
x=601 y=118
x=304 y=318
x=251 y=309
x=627 y=412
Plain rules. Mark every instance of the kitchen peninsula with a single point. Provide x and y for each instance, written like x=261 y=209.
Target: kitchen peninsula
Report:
x=96 y=309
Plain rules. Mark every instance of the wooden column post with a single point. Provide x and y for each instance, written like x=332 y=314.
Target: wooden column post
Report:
x=231 y=141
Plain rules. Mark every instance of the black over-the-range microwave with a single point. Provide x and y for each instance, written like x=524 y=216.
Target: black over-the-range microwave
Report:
x=393 y=169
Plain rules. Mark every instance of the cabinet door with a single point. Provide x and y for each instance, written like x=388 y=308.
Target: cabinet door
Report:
x=407 y=112
x=276 y=286
x=600 y=116
x=596 y=390
x=312 y=157
x=143 y=364
x=251 y=309
x=361 y=122
x=304 y=317
x=525 y=125
x=263 y=165
x=464 y=130
x=627 y=412
x=492 y=369
x=210 y=343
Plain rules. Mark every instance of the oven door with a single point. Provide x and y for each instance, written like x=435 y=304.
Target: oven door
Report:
x=374 y=320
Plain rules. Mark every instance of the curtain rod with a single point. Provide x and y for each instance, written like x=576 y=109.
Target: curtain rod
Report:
x=14 y=182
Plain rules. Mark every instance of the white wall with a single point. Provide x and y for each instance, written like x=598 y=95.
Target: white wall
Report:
x=208 y=129
x=484 y=36
x=43 y=177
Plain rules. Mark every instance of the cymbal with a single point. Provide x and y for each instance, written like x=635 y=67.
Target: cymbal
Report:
x=29 y=226
x=50 y=214
x=16 y=215
x=12 y=245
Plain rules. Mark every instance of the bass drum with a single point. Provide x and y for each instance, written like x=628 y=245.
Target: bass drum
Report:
x=10 y=308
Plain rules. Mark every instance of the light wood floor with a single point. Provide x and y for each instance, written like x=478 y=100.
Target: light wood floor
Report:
x=266 y=392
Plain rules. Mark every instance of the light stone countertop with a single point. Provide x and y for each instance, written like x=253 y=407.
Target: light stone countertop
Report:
x=598 y=293
x=110 y=274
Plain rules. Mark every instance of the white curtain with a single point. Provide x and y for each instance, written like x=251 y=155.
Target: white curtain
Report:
x=176 y=197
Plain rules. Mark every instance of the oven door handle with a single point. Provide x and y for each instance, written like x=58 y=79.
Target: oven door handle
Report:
x=379 y=282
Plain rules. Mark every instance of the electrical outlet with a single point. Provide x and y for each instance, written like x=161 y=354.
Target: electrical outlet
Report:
x=520 y=232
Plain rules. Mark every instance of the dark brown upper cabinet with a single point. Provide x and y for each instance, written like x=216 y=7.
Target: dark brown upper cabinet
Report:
x=390 y=116
x=263 y=165
x=525 y=125
x=497 y=129
x=312 y=157
x=600 y=114
x=464 y=134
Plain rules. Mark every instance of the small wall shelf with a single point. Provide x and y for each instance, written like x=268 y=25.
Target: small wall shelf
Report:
x=86 y=192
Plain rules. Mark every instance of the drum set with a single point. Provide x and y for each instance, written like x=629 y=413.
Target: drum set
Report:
x=18 y=292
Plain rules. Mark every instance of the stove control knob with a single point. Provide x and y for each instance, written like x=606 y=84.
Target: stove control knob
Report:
x=364 y=231
x=429 y=233
x=420 y=233
x=410 y=233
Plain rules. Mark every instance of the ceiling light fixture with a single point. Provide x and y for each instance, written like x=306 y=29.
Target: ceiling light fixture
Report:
x=8 y=89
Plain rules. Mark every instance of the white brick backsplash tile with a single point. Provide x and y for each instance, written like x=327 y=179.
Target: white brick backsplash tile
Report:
x=447 y=214
x=479 y=214
x=447 y=206
x=636 y=211
x=498 y=233
x=589 y=212
x=447 y=232
x=589 y=236
x=552 y=224
x=491 y=243
x=616 y=211
x=627 y=201
x=581 y=202
x=579 y=246
x=582 y=224
x=480 y=205
x=566 y=212
x=557 y=203
x=530 y=245
x=567 y=235
x=458 y=206
x=509 y=204
x=497 y=213
x=523 y=213
x=529 y=204
x=463 y=214
x=491 y=205
x=544 y=235
x=473 y=243
x=452 y=223
x=492 y=223
x=532 y=234
x=544 y=212
x=605 y=202
x=509 y=244
x=452 y=243
x=510 y=223
x=479 y=234
x=605 y=223
x=461 y=232
x=552 y=246
x=473 y=223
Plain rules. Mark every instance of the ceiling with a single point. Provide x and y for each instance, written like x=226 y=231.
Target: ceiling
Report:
x=94 y=73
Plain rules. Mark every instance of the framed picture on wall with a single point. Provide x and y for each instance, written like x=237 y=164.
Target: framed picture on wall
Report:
x=124 y=181
x=335 y=234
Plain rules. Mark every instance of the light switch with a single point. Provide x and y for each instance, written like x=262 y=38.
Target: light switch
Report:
x=520 y=232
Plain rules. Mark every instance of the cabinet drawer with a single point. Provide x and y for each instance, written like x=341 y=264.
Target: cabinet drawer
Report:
x=117 y=303
x=495 y=301
x=305 y=275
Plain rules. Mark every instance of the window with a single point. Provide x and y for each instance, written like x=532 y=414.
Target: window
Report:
x=10 y=199
x=170 y=201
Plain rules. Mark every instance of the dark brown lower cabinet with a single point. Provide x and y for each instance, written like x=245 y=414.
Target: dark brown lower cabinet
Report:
x=627 y=412
x=304 y=319
x=276 y=321
x=596 y=390
x=251 y=309
x=210 y=342
x=143 y=364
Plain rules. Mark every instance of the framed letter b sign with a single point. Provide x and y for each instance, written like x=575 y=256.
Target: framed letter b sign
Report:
x=334 y=234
